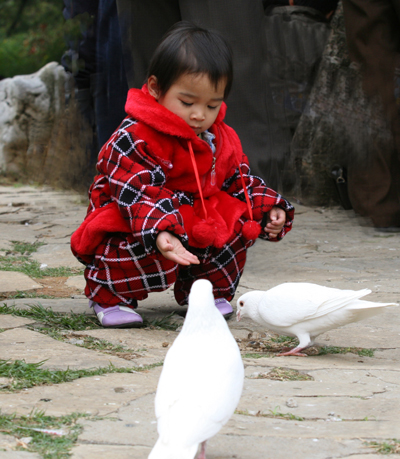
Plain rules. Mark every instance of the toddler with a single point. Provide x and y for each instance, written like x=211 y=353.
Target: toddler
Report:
x=174 y=200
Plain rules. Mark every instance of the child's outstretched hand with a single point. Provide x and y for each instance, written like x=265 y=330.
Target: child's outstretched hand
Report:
x=275 y=222
x=172 y=249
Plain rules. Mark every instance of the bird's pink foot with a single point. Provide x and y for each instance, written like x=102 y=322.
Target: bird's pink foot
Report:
x=294 y=351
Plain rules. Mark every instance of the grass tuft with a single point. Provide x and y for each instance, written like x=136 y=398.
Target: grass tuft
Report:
x=48 y=446
x=23 y=375
x=163 y=323
x=18 y=259
x=272 y=414
x=53 y=319
x=344 y=350
x=391 y=446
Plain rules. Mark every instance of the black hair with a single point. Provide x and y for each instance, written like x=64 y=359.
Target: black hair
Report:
x=190 y=49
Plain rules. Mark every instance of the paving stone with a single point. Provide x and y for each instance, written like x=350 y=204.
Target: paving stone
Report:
x=100 y=395
x=151 y=345
x=34 y=347
x=18 y=455
x=7 y=442
x=8 y=321
x=11 y=281
x=329 y=246
x=56 y=256
x=77 y=282
x=110 y=452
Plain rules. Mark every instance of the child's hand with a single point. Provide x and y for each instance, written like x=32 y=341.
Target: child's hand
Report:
x=172 y=249
x=275 y=222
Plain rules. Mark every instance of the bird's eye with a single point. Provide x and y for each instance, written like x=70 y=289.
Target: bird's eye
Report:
x=241 y=303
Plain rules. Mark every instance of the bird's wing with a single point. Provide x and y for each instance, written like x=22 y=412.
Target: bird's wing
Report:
x=292 y=303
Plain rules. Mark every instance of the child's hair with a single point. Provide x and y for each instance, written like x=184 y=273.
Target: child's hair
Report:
x=189 y=49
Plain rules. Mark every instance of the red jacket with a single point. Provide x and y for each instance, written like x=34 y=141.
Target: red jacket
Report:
x=147 y=183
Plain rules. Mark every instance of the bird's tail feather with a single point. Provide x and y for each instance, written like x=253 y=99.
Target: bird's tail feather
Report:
x=370 y=305
x=340 y=301
x=162 y=450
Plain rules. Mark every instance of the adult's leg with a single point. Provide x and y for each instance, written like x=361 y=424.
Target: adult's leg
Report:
x=250 y=106
x=374 y=188
x=222 y=267
x=373 y=39
x=110 y=83
x=122 y=273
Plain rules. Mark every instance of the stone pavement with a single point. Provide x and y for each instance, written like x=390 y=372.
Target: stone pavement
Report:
x=321 y=406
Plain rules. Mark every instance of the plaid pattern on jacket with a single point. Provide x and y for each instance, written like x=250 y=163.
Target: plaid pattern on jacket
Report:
x=146 y=183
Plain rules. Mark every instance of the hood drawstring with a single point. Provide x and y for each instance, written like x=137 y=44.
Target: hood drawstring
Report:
x=251 y=229
x=196 y=173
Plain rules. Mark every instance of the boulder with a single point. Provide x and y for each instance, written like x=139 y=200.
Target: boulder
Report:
x=43 y=137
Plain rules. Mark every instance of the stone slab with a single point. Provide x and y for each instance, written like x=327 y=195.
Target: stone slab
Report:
x=96 y=395
x=34 y=347
x=77 y=282
x=18 y=455
x=327 y=246
x=56 y=256
x=11 y=281
x=109 y=452
x=151 y=345
x=7 y=321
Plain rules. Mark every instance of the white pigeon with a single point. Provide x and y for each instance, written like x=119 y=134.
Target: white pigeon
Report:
x=201 y=381
x=306 y=310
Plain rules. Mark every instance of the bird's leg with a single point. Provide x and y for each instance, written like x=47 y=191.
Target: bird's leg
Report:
x=202 y=454
x=304 y=341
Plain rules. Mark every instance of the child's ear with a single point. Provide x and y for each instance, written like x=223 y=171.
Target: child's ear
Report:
x=152 y=85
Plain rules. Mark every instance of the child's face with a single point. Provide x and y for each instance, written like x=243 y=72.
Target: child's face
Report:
x=193 y=98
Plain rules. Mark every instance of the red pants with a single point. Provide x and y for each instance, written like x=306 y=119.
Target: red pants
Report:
x=122 y=271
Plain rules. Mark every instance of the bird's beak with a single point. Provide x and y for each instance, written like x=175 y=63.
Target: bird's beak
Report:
x=238 y=315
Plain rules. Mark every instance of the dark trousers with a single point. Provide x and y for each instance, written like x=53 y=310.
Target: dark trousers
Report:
x=373 y=38
x=122 y=272
x=250 y=107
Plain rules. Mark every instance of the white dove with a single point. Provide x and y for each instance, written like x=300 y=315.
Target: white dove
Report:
x=201 y=381
x=306 y=310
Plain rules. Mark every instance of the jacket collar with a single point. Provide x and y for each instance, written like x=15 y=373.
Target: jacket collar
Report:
x=143 y=107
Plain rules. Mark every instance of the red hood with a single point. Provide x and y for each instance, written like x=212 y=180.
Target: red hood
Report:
x=142 y=106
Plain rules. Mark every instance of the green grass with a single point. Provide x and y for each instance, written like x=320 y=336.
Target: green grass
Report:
x=18 y=259
x=344 y=350
x=163 y=323
x=31 y=268
x=77 y=322
x=46 y=445
x=26 y=248
x=286 y=340
x=255 y=356
x=24 y=375
x=391 y=446
x=52 y=319
x=20 y=294
x=106 y=347
x=273 y=414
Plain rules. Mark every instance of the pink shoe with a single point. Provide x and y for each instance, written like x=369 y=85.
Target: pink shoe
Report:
x=117 y=316
x=224 y=307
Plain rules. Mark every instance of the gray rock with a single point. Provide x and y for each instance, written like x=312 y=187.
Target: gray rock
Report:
x=42 y=134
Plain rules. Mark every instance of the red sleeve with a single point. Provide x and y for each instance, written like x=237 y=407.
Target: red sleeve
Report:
x=133 y=179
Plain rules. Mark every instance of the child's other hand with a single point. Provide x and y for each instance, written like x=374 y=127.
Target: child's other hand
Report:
x=275 y=222
x=172 y=249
